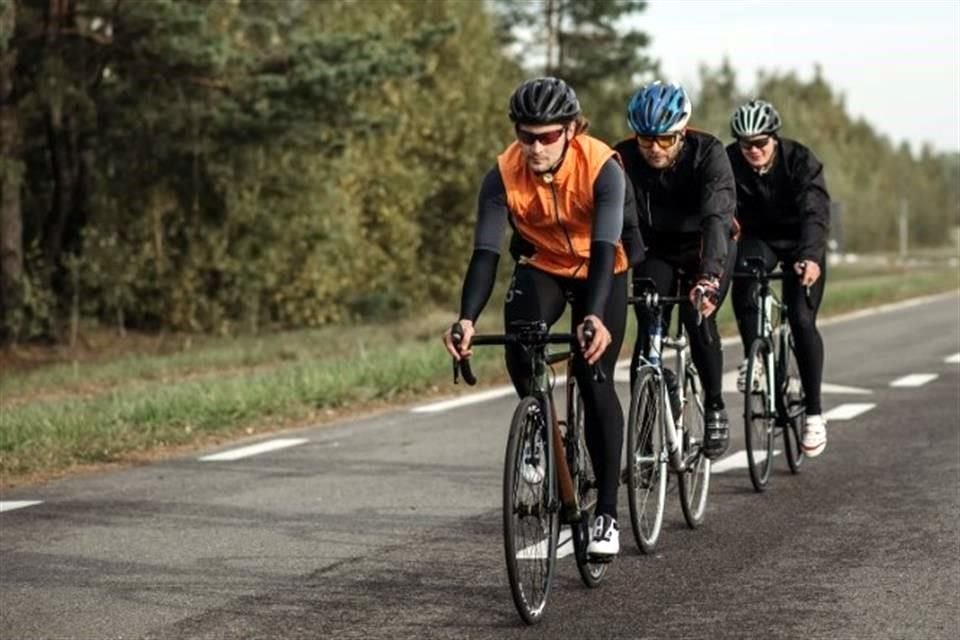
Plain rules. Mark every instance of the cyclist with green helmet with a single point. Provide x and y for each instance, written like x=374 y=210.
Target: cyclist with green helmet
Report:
x=784 y=212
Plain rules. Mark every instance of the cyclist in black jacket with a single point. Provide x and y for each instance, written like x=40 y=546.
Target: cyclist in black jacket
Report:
x=685 y=198
x=784 y=212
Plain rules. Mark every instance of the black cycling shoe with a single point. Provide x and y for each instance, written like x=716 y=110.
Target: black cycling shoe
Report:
x=717 y=433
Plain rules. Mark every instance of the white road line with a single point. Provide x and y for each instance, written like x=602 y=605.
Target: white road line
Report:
x=885 y=308
x=255 y=449
x=848 y=411
x=737 y=460
x=538 y=550
x=914 y=380
x=954 y=359
x=840 y=389
x=564 y=543
x=463 y=401
x=10 y=505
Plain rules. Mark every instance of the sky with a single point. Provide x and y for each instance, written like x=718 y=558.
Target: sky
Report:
x=896 y=62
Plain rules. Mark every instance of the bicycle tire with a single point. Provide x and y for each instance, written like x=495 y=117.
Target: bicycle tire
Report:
x=584 y=479
x=530 y=516
x=757 y=420
x=695 y=480
x=792 y=407
x=646 y=460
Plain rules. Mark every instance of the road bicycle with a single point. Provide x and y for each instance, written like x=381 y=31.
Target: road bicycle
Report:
x=773 y=402
x=548 y=478
x=666 y=426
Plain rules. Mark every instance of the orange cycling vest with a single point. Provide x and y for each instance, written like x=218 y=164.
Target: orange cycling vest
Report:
x=556 y=217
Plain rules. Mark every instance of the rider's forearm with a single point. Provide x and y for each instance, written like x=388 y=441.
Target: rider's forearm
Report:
x=600 y=277
x=478 y=283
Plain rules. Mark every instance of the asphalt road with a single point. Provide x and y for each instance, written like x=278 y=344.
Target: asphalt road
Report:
x=389 y=527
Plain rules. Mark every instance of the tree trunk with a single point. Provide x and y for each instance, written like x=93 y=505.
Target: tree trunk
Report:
x=11 y=176
x=62 y=227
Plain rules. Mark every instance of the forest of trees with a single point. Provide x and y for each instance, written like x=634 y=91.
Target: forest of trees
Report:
x=236 y=166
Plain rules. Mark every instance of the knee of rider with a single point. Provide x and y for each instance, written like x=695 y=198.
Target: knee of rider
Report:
x=803 y=321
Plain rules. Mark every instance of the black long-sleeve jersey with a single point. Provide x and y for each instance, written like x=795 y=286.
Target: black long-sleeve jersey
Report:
x=688 y=206
x=787 y=205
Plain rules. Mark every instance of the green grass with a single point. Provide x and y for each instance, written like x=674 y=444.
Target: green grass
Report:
x=61 y=416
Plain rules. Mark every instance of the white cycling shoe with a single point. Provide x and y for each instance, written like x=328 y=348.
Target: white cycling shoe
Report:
x=604 y=537
x=814 y=437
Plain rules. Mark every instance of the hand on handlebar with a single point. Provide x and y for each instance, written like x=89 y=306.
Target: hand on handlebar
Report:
x=458 y=346
x=593 y=349
x=808 y=270
x=704 y=295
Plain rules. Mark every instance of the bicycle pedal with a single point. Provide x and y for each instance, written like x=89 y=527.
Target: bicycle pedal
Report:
x=570 y=514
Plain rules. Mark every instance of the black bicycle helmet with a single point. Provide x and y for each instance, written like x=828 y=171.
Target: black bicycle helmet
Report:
x=544 y=101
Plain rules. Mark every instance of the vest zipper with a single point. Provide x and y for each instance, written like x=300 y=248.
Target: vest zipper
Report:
x=556 y=211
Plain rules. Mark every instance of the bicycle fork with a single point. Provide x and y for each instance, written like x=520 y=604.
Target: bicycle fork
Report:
x=770 y=382
x=674 y=453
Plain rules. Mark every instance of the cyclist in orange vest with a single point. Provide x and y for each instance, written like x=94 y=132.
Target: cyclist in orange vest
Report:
x=563 y=193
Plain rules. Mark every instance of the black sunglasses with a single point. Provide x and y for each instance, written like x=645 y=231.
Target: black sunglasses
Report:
x=756 y=143
x=545 y=138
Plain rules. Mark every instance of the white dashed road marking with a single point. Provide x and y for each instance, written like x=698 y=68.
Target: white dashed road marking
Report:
x=848 y=411
x=10 y=505
x=538 y=550
x=840 y=389
x=463 y=401
x=252 y=450
x=738 y=460
x=914 y=380
x=954 y=359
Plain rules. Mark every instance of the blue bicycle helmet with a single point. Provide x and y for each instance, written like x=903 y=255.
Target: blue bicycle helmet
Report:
x=659 y=109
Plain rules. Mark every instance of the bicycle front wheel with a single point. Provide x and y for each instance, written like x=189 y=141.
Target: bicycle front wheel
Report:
x=646 y=460
x=757 y=417
x=585 y=481
x=792 y=407
x=530 y=517
x=695 y=480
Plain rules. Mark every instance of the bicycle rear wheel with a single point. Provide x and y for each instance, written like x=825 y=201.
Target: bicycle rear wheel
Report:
x=792 y=407
x=584 y=479
x=756 y=416
x=646 y=460
x=530 y=519
x=695 y=480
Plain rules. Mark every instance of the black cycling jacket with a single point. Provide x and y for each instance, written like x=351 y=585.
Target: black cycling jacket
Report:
x=787 y=205
x=689 y=206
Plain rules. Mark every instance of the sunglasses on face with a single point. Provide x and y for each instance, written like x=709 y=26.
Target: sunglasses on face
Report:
x=758 y=143
x=664 y=142
x=544 y=138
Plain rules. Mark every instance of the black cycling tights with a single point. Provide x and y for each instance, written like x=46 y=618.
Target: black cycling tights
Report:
x=801 y=312
x=705 y=338
x=536 y=295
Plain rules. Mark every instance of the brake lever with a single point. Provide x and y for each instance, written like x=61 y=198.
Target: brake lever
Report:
x=589 y=333
x=462 y=366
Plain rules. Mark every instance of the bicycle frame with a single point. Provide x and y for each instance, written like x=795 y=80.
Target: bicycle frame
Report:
x=654 y=358
x=559 y=501
x=771 y=323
